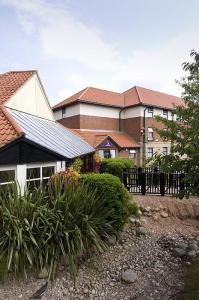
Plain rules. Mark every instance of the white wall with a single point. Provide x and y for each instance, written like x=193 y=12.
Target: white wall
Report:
x=31 y=98
x=108 y=112
x=99 y=111
x=58 y=114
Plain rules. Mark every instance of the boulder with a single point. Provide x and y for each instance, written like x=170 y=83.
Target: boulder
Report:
x=183 y=246
x=129 y=276
x=193 y=246
x=179 y=252
x=191 y=254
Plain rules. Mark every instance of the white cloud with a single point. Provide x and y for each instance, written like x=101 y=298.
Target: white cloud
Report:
x=64 y=37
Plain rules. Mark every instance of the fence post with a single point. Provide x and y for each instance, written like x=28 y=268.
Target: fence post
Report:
x=124 y=177
x=162 y=184
x=181 y=183
x=143 y=183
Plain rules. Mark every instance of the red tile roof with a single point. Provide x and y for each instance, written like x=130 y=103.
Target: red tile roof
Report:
x=134 y=96
x=140 y=95
x=95 y=138
x=94 y=95
x=10 y=82
x=9 y=130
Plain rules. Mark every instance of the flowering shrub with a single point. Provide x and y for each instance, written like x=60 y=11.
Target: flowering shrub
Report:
x=76 y=166
x=67 y=177
x=98 y=162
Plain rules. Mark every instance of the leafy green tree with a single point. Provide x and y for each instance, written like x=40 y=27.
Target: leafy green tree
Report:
x=184 y=132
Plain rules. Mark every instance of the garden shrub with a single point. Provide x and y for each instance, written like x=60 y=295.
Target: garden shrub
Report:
x=118 y=198
x=77 y=165
x=109 y=165
x=115 y=168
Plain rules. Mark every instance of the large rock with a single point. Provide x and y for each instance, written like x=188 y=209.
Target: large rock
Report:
x=191 y=254
x=179 y=252
x=183 y=246
x=129 y=276
x=193 y=246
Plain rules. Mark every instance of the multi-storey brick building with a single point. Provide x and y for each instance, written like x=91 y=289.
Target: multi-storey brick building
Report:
x=118 y=124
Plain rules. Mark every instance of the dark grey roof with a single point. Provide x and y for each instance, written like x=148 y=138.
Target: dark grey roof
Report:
x=51 y=135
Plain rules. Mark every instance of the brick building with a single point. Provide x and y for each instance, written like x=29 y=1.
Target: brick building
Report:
x=118 y=124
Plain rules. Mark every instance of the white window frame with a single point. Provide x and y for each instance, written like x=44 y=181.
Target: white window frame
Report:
x=150 y=130
x=148 y=152
x=132 y=153
x=40 y=166
x=150 y=112
x=8 y=168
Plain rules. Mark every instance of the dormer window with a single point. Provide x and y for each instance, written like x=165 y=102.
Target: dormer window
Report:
x=150 y=112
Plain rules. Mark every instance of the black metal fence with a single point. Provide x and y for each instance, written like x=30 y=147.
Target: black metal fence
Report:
x=153 y=181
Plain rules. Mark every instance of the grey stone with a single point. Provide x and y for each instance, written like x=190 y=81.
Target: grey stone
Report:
x=191 y=254
x=141 y=231
x=86 y=291
x=129 y=276
x=164 y=214
x=193 y=246
x=183 y=246
x=112 y=240
x=133 y=220
x=147 y=209
x=179 y=252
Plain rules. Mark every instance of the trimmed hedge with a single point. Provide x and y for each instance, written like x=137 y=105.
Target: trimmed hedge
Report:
x=115 y=166
x=118 y=198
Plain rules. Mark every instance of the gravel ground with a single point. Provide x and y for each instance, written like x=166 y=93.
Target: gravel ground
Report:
x=159 y=273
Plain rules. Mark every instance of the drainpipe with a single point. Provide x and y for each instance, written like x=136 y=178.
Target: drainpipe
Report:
x=120 y=112
x=144 y=138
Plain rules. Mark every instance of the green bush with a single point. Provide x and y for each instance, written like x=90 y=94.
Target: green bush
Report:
x=110 y=165
x=115 y=168
x=118 y=198
x=42 y=227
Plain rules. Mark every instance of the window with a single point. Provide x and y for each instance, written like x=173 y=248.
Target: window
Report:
x=7 y=177
x=132 y=153
x=165 y=150
x=165 y=137
x=150 y=134
x=149 y=152
x=165 y=113
x=107 y=153
x=150 y=112
x=38 y=175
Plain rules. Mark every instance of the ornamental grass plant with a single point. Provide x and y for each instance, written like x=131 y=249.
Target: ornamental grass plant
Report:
x=48 y=225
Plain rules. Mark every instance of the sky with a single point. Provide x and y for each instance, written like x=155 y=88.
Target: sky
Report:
x=109 y=44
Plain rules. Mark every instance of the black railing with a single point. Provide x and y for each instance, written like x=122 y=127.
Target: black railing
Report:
x=153 y=181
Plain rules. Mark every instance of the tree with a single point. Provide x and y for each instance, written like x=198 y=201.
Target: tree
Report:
x=184 y=131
